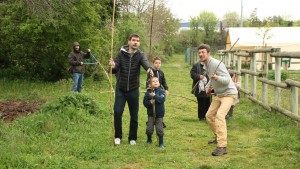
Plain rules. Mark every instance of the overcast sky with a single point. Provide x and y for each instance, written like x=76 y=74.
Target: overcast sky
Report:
x=184 y=9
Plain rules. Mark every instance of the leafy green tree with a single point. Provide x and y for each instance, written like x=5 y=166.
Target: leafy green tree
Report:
x=253 y=21
x=182 y=42
x=209 y=22
x=296 y=23
x=194 y=32
x=164 y=26
x=36 y=43
x=231 y=19
x=129 y=23
x=277 y=21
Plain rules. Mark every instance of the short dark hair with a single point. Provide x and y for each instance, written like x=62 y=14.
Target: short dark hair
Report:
x=155 y=58
x=204 y=46
x=133 y=35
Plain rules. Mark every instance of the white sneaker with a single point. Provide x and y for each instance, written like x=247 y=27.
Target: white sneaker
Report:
x=117 y=141
x=132 y=142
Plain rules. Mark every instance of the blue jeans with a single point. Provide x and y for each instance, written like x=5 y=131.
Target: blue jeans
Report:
x=77 y=82
x=132 y=98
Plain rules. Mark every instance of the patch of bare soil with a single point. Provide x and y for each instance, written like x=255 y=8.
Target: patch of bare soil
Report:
x=10 y=110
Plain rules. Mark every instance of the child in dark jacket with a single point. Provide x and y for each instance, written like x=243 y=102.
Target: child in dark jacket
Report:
x=157 y=72
x=155 y=99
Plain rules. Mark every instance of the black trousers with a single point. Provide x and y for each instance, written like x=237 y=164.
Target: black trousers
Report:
x=132 y=98
x=203 y=105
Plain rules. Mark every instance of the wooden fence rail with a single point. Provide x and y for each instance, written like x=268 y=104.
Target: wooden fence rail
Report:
x=233 y=60
x=289 y=84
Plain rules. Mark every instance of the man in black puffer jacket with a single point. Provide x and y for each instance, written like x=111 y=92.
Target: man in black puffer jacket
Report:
x=127 y=64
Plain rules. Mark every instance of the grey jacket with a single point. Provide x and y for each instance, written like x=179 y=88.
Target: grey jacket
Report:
x=224 y=84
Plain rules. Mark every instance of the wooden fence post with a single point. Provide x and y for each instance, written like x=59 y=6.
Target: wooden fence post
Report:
x=229 y=59
x=253 y=68
x=233 y=61
x=239 y=67
x=265 y=85
x=277 y=78
x=191 y=55
x=246 y=79
x=294 y=97
x=195 y=55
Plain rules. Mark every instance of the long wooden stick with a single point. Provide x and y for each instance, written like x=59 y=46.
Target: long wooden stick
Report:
x=223 y=56
x=151 y=29
x=111 y=56
x=150 y=55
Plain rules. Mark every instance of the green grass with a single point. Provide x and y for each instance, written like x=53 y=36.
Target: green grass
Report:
x=68 y=133
x=285 y=101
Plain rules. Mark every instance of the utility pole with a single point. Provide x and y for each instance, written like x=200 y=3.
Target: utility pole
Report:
x=241 y=24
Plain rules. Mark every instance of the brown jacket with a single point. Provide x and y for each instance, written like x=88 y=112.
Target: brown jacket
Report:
x=75 y=59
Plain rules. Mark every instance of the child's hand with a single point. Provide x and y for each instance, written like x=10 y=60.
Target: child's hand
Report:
x=152 y=101
x=167 y=93
x=152 y=94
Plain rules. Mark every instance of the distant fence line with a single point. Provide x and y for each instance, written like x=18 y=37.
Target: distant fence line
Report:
x=233 y=60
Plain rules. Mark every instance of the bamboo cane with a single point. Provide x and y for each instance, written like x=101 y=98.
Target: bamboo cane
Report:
x=111 y=56
x=223 y=56
x=150 y=53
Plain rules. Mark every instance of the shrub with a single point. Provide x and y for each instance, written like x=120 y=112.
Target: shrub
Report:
x=75 y=100
x=245 y=66
x=284 y=75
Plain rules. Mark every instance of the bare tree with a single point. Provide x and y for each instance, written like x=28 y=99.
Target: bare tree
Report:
x=264 y=33
x=48 y=8
x=135 y=6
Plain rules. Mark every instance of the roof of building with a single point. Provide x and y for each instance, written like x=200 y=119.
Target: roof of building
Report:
x=280 y=37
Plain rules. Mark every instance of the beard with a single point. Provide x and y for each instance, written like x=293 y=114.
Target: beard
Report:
x=77 y=50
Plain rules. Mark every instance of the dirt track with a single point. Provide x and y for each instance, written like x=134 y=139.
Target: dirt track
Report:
x=10 y=110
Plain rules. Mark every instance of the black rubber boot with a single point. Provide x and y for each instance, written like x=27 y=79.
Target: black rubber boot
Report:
x=161 y=142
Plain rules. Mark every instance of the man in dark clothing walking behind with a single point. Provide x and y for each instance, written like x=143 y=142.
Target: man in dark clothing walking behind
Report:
x=200 y=79
x=127 y=63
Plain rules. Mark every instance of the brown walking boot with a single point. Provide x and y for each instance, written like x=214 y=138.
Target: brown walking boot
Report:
x=214 y=141
x=219 y=151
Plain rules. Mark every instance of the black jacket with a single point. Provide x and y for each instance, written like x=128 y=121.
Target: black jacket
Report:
x=160 y=97
x=195 y=72
x=128 y=69
x=161 y=78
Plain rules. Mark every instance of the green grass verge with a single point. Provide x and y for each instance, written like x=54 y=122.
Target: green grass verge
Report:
x=75 y=130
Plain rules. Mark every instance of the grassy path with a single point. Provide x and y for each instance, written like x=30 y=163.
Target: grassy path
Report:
x=72 y=138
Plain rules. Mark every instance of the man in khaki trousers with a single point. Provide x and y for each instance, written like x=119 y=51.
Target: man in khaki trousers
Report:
x=225 y=91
